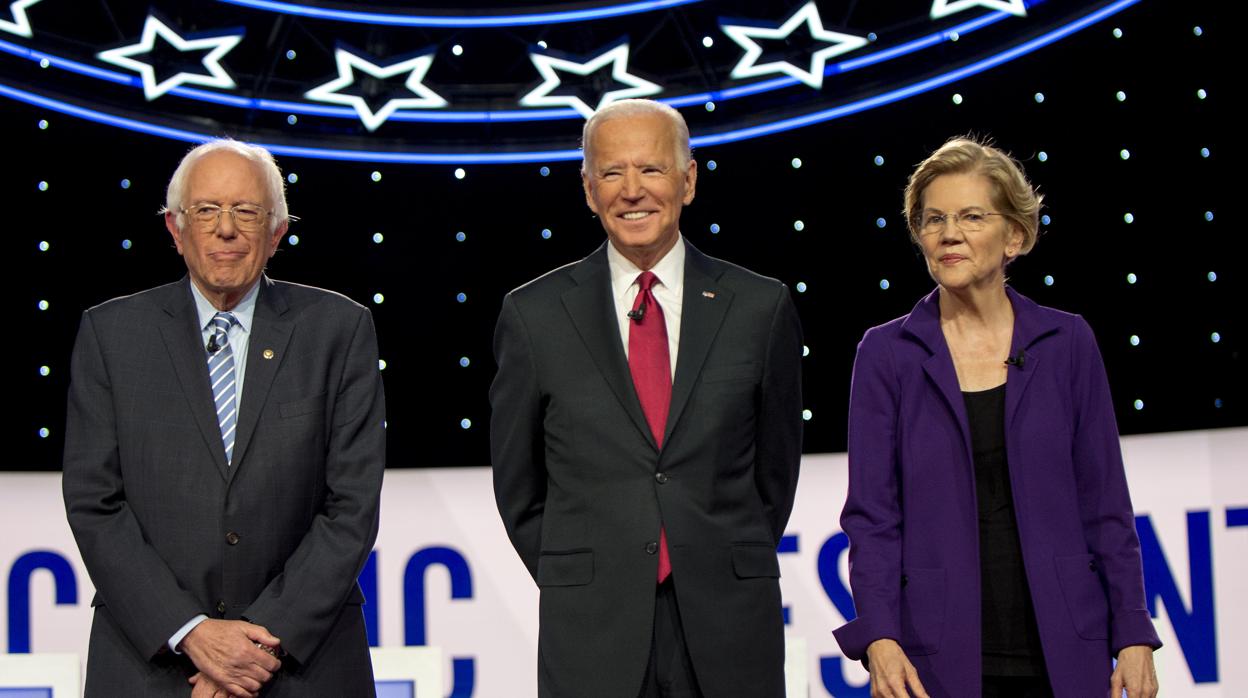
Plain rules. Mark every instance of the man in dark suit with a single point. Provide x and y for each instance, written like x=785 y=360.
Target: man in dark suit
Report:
x=645 y=439
x=224 y=452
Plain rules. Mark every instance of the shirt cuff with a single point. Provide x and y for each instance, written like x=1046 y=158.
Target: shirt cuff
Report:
x=176 y=638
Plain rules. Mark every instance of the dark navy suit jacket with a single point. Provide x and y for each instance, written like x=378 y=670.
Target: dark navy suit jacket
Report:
x=912 y=519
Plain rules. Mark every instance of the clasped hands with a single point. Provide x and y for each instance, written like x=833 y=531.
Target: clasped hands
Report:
x=234 y=658
x=893 y=676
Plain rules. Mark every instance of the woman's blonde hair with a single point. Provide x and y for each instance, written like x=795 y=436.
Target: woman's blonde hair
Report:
x=1012 y=195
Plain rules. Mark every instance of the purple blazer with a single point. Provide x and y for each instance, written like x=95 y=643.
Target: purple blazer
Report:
x=912 y=520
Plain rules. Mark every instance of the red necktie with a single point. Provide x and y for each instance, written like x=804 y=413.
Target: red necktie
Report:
x=651 y=366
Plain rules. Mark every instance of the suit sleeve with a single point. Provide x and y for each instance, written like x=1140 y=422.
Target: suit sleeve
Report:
x=1104 y=502
x=778 y=442
x=872 y=514
x=517 y=447
x=141 y=592
x=301 y=603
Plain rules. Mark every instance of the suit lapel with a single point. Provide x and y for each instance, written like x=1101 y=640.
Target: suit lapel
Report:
x=592 y=310
x=184 y=341
x=923 y=323
x=700 y=318
x=266 y=349
x=1029 y=326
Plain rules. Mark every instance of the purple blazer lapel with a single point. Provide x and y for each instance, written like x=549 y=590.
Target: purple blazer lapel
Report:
x=1030 y=325
x=923 y=324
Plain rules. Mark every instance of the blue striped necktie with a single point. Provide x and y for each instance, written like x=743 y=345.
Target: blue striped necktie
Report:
x=221 y=376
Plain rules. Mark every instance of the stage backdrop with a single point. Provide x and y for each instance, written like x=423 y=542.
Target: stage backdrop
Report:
x=444 y=574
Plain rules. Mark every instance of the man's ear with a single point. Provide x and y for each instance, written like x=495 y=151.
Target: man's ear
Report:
x=171 y=224
x=278 y=233
x=588 y=186
x=691 y=181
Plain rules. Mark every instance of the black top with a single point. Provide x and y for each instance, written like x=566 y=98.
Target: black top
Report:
x=1011 y=640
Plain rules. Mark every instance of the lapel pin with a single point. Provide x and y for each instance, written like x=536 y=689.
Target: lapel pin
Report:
x=268 y=353
x=708 y=294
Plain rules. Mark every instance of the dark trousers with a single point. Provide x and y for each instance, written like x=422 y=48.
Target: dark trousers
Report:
x=1017 y=687
x=670 y=672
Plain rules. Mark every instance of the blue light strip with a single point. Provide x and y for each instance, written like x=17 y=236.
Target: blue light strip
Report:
x=100 y=117
x=275 y=104
x=70 y=65
x=575 y=154
x=844 y=66
x=917 y=88
x=291 y=8
x=279 y=149
x=503 y=116
x=919 y=44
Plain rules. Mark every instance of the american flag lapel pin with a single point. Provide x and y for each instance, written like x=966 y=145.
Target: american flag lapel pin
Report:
x=708 y=294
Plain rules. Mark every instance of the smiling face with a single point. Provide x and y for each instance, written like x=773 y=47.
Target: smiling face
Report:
x=635 y=184
x=958 y=259
x=224 y=262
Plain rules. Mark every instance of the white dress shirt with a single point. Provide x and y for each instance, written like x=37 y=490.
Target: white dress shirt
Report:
x=238 y=335
x=668 y=291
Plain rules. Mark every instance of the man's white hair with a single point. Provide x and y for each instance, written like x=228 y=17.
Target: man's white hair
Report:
x=636 y=107
x=272 y=175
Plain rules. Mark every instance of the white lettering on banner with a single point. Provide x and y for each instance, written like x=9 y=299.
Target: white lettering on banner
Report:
x=444 y=574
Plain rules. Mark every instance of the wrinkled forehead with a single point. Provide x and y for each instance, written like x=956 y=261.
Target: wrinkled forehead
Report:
x=629 y=137
x=956 y=191
x=224 y=173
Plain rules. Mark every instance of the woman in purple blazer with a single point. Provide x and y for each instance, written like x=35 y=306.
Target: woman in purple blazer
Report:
x=992 y=544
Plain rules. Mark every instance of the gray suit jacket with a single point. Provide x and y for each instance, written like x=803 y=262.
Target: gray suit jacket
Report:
x=583 y=490
x=168 y=531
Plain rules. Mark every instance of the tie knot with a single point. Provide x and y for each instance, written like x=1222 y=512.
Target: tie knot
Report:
x=646 y=281
x=221 y=322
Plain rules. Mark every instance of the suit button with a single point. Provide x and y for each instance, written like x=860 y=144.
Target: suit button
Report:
x=652 y=548
x=1092 y=565
x=661 y=478
x=221 y=607
x=904 y=580
x=232 y=538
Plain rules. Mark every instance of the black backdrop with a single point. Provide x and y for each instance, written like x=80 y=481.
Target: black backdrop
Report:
x=1181 y=377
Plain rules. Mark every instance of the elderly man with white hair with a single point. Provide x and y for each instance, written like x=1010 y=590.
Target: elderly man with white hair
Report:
x=224 y=452
x=645 y=436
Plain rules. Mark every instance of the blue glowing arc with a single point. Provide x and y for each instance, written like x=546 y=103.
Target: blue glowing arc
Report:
x=443 y=116
x=574 y=154
x=460 y=22
x=916 y=88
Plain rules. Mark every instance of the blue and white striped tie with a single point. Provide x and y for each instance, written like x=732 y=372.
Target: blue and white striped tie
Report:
x=221 y=376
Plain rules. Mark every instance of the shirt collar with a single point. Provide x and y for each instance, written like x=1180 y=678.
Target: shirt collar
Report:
x=670 y=269
x=243 y=312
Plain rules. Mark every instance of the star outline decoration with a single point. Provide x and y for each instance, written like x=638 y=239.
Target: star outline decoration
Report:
x=617 y=56
x=807 y=15
x=944 y=8
x=153 y=27
x=348 y=61
x=20 y=24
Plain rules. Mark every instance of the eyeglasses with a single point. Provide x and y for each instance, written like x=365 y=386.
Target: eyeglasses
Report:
x=934 y=222
x=246 y=217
